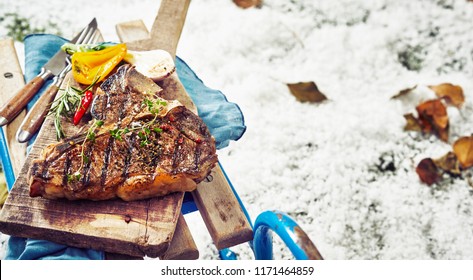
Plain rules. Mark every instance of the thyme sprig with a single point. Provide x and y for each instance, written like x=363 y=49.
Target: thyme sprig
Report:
x=90 y=136
x=144 y=130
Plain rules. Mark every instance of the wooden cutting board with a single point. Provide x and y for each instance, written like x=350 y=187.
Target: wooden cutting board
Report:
x=128 y=228
x=133 y=228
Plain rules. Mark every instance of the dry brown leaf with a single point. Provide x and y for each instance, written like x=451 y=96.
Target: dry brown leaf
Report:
x=428 y=171
x=433 y=118
x=412 y=123
x=307 y=92
x=451 y=93
x=448 y=163
x=248 y=3
x=463 y=149
x=404 y=92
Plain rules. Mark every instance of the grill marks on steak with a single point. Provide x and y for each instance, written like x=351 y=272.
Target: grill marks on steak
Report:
x=177 y=156
x=120 y=99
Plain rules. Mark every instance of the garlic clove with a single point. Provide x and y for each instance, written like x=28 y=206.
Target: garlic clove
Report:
x=155 y=64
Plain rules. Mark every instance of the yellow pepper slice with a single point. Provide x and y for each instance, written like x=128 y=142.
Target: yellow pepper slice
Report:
x=88 y=66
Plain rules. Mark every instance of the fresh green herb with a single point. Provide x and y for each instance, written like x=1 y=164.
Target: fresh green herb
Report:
x=71 y=48
x=116 y=133
x=144 y=143
x=66 y=105
x=141 y=135
x=58 y=128
x=154 y=107
x=90 y=136
x=148 y=103
x=85 y=158
x=91 y=132
x=161 y=103
x=73 y=177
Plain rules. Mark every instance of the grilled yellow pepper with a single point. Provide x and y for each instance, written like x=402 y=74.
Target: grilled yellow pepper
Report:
x=88 y=67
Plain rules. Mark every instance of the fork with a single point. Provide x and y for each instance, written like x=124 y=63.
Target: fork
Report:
x=36 y=116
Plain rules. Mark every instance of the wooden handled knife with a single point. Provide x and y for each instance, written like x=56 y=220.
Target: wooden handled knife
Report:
x=53 y=67
x=35 y=117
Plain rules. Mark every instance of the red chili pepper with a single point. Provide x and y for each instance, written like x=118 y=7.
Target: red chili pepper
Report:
x=84 y=105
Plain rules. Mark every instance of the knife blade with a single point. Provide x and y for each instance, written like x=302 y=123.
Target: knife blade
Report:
x=53 y=67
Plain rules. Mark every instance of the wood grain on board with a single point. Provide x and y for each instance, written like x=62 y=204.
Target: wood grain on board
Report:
x=128 y=228
x=136 y=228
x=182 y=245
x=220 y=209
x=11 y=80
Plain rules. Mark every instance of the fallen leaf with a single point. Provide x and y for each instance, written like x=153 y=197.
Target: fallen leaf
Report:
x=404 y=92
x=248 y=3
x=412 y=123
x=306 y=92
x=453 y=94
x=463 y=149
x=448 y=163
x=428 y=171
x=433 y=117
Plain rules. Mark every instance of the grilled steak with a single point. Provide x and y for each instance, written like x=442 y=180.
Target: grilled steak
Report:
x=139 y=146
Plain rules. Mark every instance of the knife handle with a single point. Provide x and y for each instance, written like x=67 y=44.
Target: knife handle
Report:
x=36 y=116
x=17 y=102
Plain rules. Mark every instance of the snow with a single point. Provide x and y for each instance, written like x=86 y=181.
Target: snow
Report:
x=325 y=164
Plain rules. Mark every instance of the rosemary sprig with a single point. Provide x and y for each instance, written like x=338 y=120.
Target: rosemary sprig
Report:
x=66 y=105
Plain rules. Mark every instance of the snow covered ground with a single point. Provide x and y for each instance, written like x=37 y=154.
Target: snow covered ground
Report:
x=325 y=164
